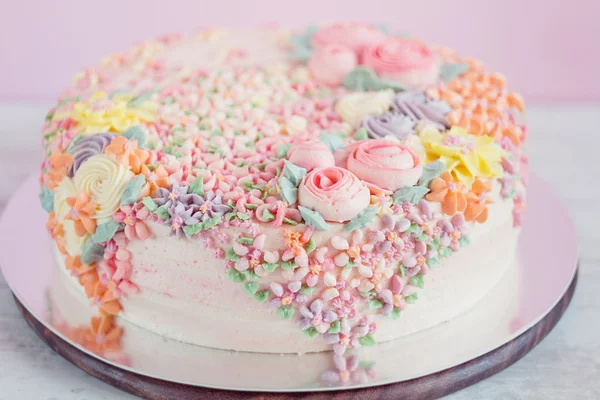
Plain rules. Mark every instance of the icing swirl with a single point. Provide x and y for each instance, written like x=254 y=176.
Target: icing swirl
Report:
x=105 y=180
x=389 y=124
x=418 y=107
x=355 y=106
x=87 y=147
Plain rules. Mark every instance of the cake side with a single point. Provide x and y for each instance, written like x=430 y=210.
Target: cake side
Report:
x=246 y=179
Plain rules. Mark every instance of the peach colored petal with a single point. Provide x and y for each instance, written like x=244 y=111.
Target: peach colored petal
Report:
x=449 y=206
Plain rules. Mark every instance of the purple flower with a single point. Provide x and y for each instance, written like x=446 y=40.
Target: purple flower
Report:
x=316 y=317
x=87 y=147
x=346 y=371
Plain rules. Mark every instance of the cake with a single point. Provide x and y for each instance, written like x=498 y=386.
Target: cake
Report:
x=282 y=191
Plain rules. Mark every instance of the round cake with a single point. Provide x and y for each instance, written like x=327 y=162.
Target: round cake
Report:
x=278 y=191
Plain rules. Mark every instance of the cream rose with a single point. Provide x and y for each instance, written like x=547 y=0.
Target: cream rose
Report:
x=311 y=155
x=73 y=242
x=355 y=106
x=105 y=180
x=384 y=163
x=335 y=193
x=403 y=60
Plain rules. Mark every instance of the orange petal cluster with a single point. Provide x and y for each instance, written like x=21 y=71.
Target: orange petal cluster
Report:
x=447 y=192
x=82 y=212
x=159 y=178
x=59 y=166
x=127 y=153
x=477 y=201
x=57 y=232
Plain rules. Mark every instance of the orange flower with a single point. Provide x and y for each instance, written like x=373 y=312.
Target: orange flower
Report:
x=450 y=194
x=126 y=152
x=159 y=178
x=59 y=166
x=82 y=211
x=57 y=232
x=105 y=300
x=103 y=334
x=477 y=201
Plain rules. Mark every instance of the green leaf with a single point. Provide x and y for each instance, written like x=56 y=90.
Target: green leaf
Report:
x=293 y=172
x=361 y=79
x=310 y=246
x=149 y=204
x=445 y=252
x=307 y=290
x=335 y=327
x=242 y=216
x=270 y=267
x=287 y=265
x=141 y=99
x=361 y=134
x=411 y=194
x=361 y=220
x=421 y=238
x=246 y=240
x=464 y=241
x=310 y=332
x=283 y=149
x=290 y=221
x=413 y=228
x=262 y=296
x=133 y=190
x=197 y=186
x=375 y=304
x=267 y=215
x=366 y=340
x=332 y=141
x=91 y=252
x=192 y=230
x=249 y=275
x=230 y=255
x=162 y=212
x=313 y=218
x=418 y=281
x=412 y=299
x=105 y=232
x=432 y=262
x=212 y=222
x=285 y=312
x=395 y=314
x=235 y=276
x=289 y=192
x=451 y=71
x=136 y=133
x=47 y=199
x=367 y=364
x=430 y=172
x=250 y=287
x=402 y=271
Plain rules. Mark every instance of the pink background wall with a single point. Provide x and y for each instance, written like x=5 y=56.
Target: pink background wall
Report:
x=547 y=48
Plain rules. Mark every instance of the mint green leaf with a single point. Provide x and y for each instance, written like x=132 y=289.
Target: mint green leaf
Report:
x=451 y=71
x=283 y=149
x=289 y=192
x=106 y=231
x=412 y=298
x=361 y=79
x=270 y=267
x=418 y=281
x=361 y=220
x=430 y=172
x=313 y=218
x=149 y=204
x=288 y=265
x=249 y=275
x=246 y=240
x=285 y=312
x=464 y=241
x=212 y=222
x=267 y=215
x=197 y=186
x=136 y=133
x=250 y=287
x=133 y=190
x=235 y=276
x=432 y=262
x=367 y=340
x=307 y=290
x=91 y=252
x=411 y=194
x=293 y=172
x=242 y=216
x=413 y=228
x=332 y=141
x=445 y=252
x=47 y=199
x=422 y=237
x=191 y=230
x=310 y=332
x=290 y=221
x=395 y=314
x=361 y=134
x=402 y=271
x=262 y=296
x=335 y=327
x=162 y=212
x=375 y=304
x=141 y=99
x=230 y=255
x=310 y=246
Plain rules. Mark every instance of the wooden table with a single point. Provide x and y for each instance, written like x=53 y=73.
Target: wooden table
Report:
x=564 y=143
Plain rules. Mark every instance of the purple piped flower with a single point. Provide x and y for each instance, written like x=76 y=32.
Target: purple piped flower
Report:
x=388 y=124
x=87 y=147
x=418 y=107
x=316 y=317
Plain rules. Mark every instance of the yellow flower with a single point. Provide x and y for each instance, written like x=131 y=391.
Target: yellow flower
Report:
x=466 y=156
x=117 y=114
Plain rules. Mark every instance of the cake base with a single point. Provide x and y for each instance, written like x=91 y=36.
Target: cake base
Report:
x=501 y=328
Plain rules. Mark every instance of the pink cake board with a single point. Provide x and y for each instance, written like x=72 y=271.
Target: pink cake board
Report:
x=528 y=300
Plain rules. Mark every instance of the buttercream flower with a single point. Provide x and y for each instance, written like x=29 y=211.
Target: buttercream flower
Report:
x=103 y=335
x=126 y=152
x=311 y=155
x=155 y=179
x=101 y=114
x=87 y=147
x=330 y=64
x=72 y=242
x=353 y=35
x=59 y=167
x=478 y=200
x=403 y=60
x=388 y=124
x=447 y=192
x=355 y=106
x=466 y=156
x=335 y=193
x=82 y=212
x=388 y=165
x=316 y=316
x=132 y=217
x=105 y=181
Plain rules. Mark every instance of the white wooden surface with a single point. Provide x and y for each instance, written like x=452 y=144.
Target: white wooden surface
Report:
x=564 y=144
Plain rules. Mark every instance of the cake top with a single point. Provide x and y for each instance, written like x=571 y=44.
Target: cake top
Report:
x=323 y=150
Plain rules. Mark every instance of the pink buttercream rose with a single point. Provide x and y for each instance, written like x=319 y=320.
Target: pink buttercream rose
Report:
x=403 y=60
x=335 y=193
x=352 y=35
x=331 y=63
x=310 y=155
x=383 y=163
